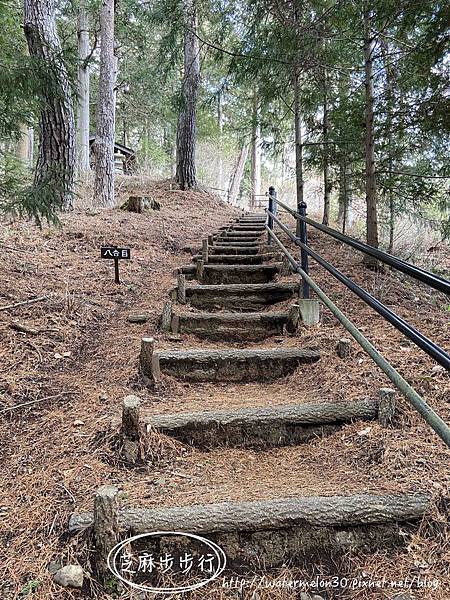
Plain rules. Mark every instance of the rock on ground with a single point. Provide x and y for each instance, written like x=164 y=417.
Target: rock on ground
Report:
x=69 y=576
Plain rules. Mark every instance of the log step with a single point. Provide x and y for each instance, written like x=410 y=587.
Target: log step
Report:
x=227 y=249
x=236 y=259
x=231 y=326
x=273 y=532
x=189 y=271
x=237 y=240
x=262 y=427
x=229 y=365
x=259 y=218
x=239 y=297
x=235 y=233
x=252 y=227
x=219 y=274
x=237 y=243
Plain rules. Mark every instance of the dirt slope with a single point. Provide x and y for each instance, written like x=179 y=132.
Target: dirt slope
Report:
x=83 y=358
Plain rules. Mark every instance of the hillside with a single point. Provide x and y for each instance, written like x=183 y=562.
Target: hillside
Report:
x=69 y=359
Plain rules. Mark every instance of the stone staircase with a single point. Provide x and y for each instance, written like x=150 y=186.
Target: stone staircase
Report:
x=231 y=302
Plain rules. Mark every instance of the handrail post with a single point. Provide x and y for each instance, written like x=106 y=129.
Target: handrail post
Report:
x=272 y=209
x=304 y=240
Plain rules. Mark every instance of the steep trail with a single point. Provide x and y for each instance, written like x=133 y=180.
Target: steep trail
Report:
x=263 y=461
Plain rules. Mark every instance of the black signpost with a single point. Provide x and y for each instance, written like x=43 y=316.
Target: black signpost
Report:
x=116 y=254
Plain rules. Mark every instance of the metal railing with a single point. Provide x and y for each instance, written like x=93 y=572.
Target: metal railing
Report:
x=300 y=239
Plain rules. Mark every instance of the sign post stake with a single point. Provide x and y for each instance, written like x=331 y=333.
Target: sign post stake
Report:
x=116 y=254
x=116 y=270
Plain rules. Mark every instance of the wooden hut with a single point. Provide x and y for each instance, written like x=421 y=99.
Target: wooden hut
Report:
x=124 y=157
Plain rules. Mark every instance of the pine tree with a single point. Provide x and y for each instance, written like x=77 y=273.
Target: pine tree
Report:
x=56 y=160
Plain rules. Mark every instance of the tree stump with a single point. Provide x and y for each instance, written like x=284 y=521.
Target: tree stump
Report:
x=130 y=417
x=106 y=526
x=386 y=407
x=181 y=288
x=286 y=267
x=166 y=316
x=149 y=363
x=133 y=204
x=205 y=251
x=199 y=273
x=344 y=348
x=131 y=430
x=293 y=318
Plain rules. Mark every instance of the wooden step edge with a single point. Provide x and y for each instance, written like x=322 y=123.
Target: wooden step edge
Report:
x=244 y=287
x=301 y=414
x=262 y=427
x=232 y=317
x=278 y=513
x=271 y=268
x=238 y=354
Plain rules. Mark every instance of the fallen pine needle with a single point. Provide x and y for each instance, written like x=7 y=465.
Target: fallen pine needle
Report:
x=33 y=402
x=32 y=301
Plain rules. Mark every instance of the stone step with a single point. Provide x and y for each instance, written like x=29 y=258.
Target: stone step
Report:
x=239 y=297
x=230 y=326
x=263 y=426
x=219 y=274
x=237 y=259
x=283 y=530
x=227 y=365
x=227 y=249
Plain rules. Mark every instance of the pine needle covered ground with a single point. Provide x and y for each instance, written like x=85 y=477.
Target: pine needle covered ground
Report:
x=69 y=359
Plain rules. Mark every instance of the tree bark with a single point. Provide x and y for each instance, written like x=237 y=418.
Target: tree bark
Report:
x=220 y=125
x=345 y=215
x=256 y=155
x=236 y=177
x=390 y=99
x=186 y=174
x=106 y=526
x=371 y=199
x=23 y=145
x=104 y=136
x=325 y=131
x=56 y=161
x=83 y=163
x=332 y=511
x=298 y=144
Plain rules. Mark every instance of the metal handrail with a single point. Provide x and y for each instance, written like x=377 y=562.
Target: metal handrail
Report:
x=434 y=281
x=428 y=346
x=430 y=416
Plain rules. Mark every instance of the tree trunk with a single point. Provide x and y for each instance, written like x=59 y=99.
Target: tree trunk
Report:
x=220 y=125
x=23 y=145
x=345 y=214
x=390 y=100
x=236 y=176
x=298 y=145
x=341 y=196
x=83 y=164
x=30 y=145
x=325 y=131
x=256 y=155
x=186 y=174
x=56 y=162
x=371 y=200
x=104 y=136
